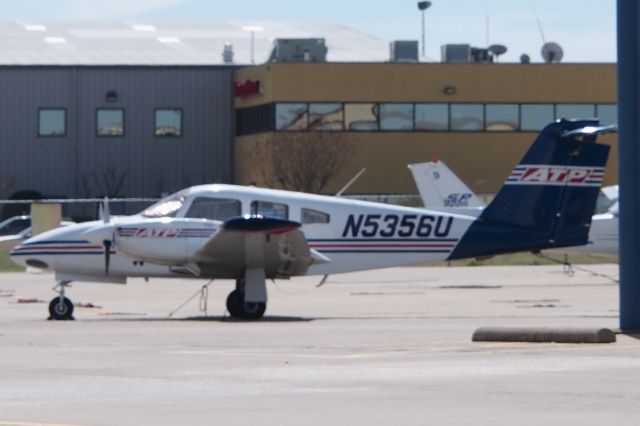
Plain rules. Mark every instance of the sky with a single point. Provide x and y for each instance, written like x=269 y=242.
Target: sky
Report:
x=586 y=29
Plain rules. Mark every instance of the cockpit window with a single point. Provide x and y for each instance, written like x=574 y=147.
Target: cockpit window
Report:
x=269 y=209
x=314 y=216
x=167 y=207
x=214 y=208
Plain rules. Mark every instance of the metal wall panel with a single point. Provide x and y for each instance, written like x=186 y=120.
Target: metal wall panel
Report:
x=76 y=165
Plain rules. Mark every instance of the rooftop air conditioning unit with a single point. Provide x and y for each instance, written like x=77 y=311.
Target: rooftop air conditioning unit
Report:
x=298 y=50
x=456 y=53
x=403 y=51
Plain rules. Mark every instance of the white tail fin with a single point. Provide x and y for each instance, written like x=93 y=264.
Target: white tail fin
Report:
x=439 y=187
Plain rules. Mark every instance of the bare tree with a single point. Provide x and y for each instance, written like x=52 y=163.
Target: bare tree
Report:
x=301 y=161
x=108 y=182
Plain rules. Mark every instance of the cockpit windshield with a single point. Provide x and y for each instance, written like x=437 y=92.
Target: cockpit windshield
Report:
x=167 y=207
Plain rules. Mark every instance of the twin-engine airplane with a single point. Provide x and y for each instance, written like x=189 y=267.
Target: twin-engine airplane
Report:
x=252 y=234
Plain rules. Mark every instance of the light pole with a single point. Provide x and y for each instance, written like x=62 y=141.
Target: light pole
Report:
x=253 y=29
x=422 y=6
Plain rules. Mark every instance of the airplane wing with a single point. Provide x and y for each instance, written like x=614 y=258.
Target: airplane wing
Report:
x=278 y=246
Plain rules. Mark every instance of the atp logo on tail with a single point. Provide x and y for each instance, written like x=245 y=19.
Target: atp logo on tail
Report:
x=556 y=175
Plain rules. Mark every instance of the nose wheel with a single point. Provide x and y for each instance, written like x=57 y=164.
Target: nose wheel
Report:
x=60 y=307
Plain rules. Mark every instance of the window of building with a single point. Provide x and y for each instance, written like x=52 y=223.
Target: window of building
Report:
x=110 y=122
x=291 y=117
x=52 y=122
x=572 y=111
x=502 y=117
x=256 y=119
x=168 y=122
x=607 y=113
x=269 y=209
x=213 y=208
x=326 y=116
x=535 y=116
x=310 y=216
x=396 y=116
x=432 y=117
x=467 y=117
x=363 y=117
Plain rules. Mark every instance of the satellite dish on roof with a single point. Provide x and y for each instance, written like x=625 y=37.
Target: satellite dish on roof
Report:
x=525 y=59
x=551 y=52
x=497 y=50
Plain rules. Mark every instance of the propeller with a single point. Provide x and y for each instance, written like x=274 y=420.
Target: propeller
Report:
x=103 y=234
x=107 y=255
x=104 y=211
x=105 y=215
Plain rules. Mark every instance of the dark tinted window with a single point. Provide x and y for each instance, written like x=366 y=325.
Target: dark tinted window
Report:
x=291 y=116
x=536 y=116
x=396 y=116
x=310 y=216
x=607 y=113
x=213 y=208
x=467 y=117
x=15 y=226
x=502 y=117
x=269 y=209
x=326 y=116
x=432 y=117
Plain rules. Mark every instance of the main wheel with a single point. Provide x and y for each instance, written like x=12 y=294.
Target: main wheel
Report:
x=238 y=308
x=61 y=310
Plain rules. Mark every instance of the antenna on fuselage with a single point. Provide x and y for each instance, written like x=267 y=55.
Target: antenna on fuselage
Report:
x=353 y=179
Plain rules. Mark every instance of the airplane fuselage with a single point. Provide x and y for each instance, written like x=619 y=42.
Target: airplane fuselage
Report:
x=355 y=235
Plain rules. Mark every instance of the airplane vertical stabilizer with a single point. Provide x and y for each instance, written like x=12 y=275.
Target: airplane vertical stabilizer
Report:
x=440 y=188
x=549 y=197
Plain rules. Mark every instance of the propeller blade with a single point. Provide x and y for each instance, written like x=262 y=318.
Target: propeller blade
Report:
x=106 y=214
x=107 y=255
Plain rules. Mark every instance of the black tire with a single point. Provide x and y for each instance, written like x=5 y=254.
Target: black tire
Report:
x=240 y=309
x=61 y=311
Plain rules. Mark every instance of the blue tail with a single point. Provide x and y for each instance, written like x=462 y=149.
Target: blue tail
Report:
x=548 y=199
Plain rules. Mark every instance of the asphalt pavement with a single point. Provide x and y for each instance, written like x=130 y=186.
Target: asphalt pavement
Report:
x=381 y=347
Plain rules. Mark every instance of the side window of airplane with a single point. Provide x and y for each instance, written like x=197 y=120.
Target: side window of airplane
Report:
x=269 y=209
x=310 y=216
x=213 y=208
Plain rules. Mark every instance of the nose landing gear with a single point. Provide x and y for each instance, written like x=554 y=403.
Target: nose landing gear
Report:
x=60 y=307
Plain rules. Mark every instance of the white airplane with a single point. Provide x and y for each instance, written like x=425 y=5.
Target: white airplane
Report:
x=252 y=234
x=441 y=189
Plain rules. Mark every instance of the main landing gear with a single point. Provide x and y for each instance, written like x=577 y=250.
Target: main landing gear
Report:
x=60 y=307
x=239 y=308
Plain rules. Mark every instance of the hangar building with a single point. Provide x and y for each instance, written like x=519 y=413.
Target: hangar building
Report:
x=143 y=109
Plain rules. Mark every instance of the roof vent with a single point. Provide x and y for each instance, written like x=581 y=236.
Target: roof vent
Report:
x=227 y=53
x=298 y=50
